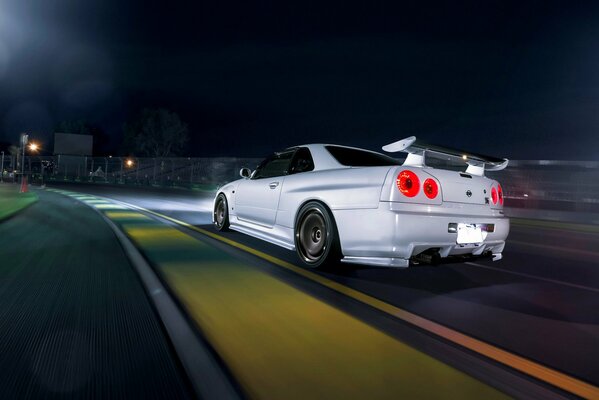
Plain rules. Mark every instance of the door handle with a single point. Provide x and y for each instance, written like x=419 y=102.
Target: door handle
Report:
x=273 y=185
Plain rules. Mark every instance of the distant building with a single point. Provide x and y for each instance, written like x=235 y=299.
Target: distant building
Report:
x=73 y=144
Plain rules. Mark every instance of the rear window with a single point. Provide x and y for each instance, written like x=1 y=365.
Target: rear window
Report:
x=360 y=158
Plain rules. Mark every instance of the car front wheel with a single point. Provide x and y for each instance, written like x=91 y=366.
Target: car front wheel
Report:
x=221 y=213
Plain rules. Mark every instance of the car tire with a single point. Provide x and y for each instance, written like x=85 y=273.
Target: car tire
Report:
x=220 y=215
x=316 y=238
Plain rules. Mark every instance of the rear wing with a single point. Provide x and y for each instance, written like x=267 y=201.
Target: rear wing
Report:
x=416 y=149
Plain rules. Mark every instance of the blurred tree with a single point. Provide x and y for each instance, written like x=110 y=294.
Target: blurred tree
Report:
x=83 y=127
x=156 y=133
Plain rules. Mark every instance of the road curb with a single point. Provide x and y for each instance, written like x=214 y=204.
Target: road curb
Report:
x=203 y=370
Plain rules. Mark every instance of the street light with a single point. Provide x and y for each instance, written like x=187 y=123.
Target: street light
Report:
x=32 y=147
x=129 y=162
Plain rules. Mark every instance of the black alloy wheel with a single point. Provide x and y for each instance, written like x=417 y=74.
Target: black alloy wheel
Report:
x=316 y=238
x=221 y=213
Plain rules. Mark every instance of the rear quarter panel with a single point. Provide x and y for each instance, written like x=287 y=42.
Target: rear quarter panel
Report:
x=343 y=188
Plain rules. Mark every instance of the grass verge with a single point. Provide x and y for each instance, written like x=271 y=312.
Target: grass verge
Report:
x=11 y=201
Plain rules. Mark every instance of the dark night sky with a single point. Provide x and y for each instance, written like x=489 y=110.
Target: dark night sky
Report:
x=514 y=79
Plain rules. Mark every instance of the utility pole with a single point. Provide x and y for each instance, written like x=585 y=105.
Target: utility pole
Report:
x=106 y=169
x=42 y=168
x=2 y=169
x=24 y=140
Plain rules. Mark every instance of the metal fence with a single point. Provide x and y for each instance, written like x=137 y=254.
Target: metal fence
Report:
x=182 y=172
x=533 y=184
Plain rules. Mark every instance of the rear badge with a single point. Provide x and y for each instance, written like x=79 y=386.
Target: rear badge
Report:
x=468 y=193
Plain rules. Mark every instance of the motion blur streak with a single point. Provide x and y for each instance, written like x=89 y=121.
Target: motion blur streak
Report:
x=278 y=341
x=557 y=225
x=585 y=253
x=522 y=364
x=534 y=277
x=282 y=343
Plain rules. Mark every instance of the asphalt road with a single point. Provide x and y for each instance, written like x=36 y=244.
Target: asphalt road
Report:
x=539 y=302
x=75 y=321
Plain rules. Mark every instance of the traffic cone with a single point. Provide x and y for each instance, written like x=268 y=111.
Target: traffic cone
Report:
x=24 y=184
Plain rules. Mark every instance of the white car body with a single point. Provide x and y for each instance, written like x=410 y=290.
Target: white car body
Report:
x=376 y=223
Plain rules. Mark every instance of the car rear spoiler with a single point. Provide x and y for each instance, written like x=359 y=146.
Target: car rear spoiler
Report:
x=416 y=149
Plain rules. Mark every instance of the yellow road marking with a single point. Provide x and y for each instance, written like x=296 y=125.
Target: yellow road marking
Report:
x=158 y=236
x=280 y=342
x=116 y=215
x=541 y=372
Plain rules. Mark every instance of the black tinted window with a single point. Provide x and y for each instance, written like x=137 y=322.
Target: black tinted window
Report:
x=360 y=158
x=302 y=161
x=275 y=165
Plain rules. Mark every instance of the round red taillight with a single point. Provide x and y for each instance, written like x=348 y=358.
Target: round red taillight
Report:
x=430 y=188
x=500 y=193
x=408 y=183
x=494 y=195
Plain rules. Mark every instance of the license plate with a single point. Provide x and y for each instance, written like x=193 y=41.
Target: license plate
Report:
x=470 y=233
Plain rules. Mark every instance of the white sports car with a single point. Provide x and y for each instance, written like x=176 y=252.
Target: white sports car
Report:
x=332 y=203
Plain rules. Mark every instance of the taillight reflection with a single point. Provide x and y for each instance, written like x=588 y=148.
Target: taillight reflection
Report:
x=500 y=194
x=430 y=188
x=408 y=183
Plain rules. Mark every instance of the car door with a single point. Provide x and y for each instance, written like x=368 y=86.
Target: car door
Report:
x=257 y=198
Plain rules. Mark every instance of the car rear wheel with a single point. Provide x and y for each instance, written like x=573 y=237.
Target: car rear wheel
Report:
x=221 y=213
x=316 y=238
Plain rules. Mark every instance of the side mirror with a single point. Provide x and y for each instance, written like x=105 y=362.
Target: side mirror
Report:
x=245 y=172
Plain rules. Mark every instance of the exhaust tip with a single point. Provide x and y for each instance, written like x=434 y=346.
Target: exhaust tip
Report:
x=430 y=256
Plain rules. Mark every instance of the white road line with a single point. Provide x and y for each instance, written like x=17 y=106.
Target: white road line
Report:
x=592 y=289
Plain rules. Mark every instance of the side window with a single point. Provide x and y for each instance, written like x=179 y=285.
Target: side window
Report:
x=302 y=161
x=275 y=165
x=360 y=158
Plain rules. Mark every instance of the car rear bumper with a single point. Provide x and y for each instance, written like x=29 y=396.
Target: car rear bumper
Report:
x=393 y=233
